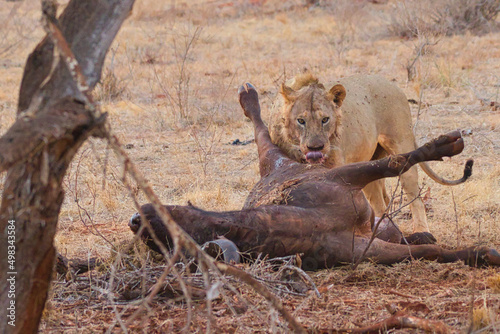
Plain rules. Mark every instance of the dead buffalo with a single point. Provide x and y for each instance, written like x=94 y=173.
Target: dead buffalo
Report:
x=310 y=209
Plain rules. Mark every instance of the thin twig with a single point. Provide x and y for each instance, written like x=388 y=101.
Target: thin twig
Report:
x=374 y=234
x=457 y=232
x=146 y=224
x=305 y=276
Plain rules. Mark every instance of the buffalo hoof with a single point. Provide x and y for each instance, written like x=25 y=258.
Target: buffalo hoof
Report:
x=419 y=238
x=446 y=145
x=482 y=257
x=249 y=100
x=387 y=230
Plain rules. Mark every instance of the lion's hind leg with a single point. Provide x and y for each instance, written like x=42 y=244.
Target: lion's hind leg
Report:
x=376 y=194
x=409 y=183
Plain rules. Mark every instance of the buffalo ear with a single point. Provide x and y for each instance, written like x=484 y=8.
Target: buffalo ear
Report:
x=287 y=92
x=337 y=94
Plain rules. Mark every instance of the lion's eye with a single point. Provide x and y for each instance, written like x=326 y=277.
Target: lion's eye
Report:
x=301 y=121
x=325 y=120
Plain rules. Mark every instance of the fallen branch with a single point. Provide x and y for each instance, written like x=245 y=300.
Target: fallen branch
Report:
x=398 y=320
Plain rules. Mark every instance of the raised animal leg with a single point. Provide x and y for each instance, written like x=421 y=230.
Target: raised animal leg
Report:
x=359 y=174
x=270 y=156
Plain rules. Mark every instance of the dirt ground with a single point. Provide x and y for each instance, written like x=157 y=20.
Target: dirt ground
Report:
x=169 y=86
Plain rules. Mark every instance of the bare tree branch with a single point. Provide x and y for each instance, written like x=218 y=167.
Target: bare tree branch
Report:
x=397 y=321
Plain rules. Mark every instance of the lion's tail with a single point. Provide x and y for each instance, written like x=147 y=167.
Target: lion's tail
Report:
x=441 y=180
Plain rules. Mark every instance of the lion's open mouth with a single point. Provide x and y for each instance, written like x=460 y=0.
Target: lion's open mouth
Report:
x=315 y=157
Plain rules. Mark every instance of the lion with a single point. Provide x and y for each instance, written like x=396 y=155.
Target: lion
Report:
x=360 y=118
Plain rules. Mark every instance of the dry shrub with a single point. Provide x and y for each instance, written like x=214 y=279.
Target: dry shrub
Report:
x=443 y=17
x=412 y=19
x=494 y=283
x=459 y=16
x=110 y=88
x=174 y=80
x=346 y=15
x=481 y=318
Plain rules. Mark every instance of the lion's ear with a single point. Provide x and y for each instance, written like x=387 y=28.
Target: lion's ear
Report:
x=287 y=92
x=337 y=94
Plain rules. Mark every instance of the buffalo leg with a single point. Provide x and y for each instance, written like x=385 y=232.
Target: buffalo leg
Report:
x=270 y=156
x=389 y=253
x=338 y=248
x=361 y=173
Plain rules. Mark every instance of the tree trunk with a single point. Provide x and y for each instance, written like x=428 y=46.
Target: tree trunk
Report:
x=53 y=121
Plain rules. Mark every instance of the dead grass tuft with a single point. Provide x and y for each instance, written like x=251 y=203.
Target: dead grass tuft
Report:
x=494 y=283
x=481 y=318
x=110 y=88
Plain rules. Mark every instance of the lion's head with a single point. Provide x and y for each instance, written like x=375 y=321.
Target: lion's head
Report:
x=312 y=116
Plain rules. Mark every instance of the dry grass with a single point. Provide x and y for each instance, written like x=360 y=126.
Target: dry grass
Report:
x=174 y=105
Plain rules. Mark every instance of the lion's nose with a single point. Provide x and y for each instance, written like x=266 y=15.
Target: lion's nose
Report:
x=315 y=148
x=135 y=222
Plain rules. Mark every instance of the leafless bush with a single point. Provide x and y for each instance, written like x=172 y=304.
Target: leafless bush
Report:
x=346 y=15
x=180 y=95
x=444 y=17
x=459 y=16
x=419 y=49
x=110 y=87
x=182 y=54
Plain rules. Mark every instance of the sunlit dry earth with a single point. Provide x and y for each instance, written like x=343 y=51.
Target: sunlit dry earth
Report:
x=169 y=87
